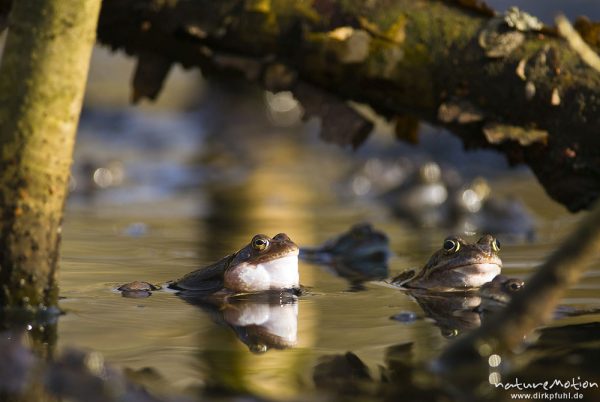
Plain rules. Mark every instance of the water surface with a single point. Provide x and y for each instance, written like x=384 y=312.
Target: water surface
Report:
x=149 y=229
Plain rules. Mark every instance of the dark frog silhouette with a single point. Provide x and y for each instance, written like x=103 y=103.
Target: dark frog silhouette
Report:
x=358 y=255
x=458 y=265
x=360 y=242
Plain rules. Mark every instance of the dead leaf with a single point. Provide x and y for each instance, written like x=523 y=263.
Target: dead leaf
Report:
x=340 y=123
x=149 y=76
x=459 y=111
x=407 y=128
x=348 y=44
x=497 y=133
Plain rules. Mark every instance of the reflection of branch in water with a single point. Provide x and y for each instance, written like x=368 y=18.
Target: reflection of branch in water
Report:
x=535 y=304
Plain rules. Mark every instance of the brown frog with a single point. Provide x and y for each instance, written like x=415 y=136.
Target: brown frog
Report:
x=263 y=264
x=137 y=289
x=458 y=265
x=497 y=293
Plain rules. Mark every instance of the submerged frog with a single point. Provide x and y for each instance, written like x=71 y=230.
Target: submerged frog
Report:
x=137 y=289
x=263 y=264
x=498 y=292
x=361 y=242
x=458 y=265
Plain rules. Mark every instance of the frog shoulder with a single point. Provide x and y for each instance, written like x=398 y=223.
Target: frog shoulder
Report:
x=401 y=278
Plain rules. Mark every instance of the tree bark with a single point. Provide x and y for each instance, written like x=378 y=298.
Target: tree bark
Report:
x=521 y=90
x=42 y=80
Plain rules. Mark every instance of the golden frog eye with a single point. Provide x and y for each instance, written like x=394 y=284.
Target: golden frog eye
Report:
x=258 y=348
x=451 y=246
x=514 y=285
x=495 y=245
x=260 y=243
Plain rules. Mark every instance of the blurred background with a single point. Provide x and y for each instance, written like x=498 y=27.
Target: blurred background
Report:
x=160 y=189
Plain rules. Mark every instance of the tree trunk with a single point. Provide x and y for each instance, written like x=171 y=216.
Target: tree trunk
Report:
x=42 y=80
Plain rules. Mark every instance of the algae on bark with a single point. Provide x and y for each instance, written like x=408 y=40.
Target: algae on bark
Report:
x=42 y=80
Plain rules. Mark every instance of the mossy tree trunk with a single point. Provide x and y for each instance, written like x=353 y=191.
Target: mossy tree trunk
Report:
x=42 y=80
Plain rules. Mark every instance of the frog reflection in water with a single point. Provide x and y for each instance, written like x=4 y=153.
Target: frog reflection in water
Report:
x=455 y=312
x=361 y=242
x=264 y=264
x=262 y=321
x=458 y=265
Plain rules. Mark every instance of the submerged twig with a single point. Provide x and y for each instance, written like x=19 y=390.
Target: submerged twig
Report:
x=534 y=305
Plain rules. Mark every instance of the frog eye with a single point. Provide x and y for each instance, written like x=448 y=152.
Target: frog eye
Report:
x=451 y=246
x=260 y=243
x=450 y=333
x=495 y=245
x=258 y=348
x=514 y=286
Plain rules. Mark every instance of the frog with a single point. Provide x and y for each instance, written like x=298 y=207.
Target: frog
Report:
x=360 y=242
x=264 y=264
x=457 y=266
x=498 y=292
x=137 y=289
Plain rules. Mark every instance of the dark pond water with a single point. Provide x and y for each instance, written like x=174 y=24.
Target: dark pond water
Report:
x=158 y=195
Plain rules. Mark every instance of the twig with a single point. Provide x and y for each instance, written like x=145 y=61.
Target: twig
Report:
x=565 y=29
